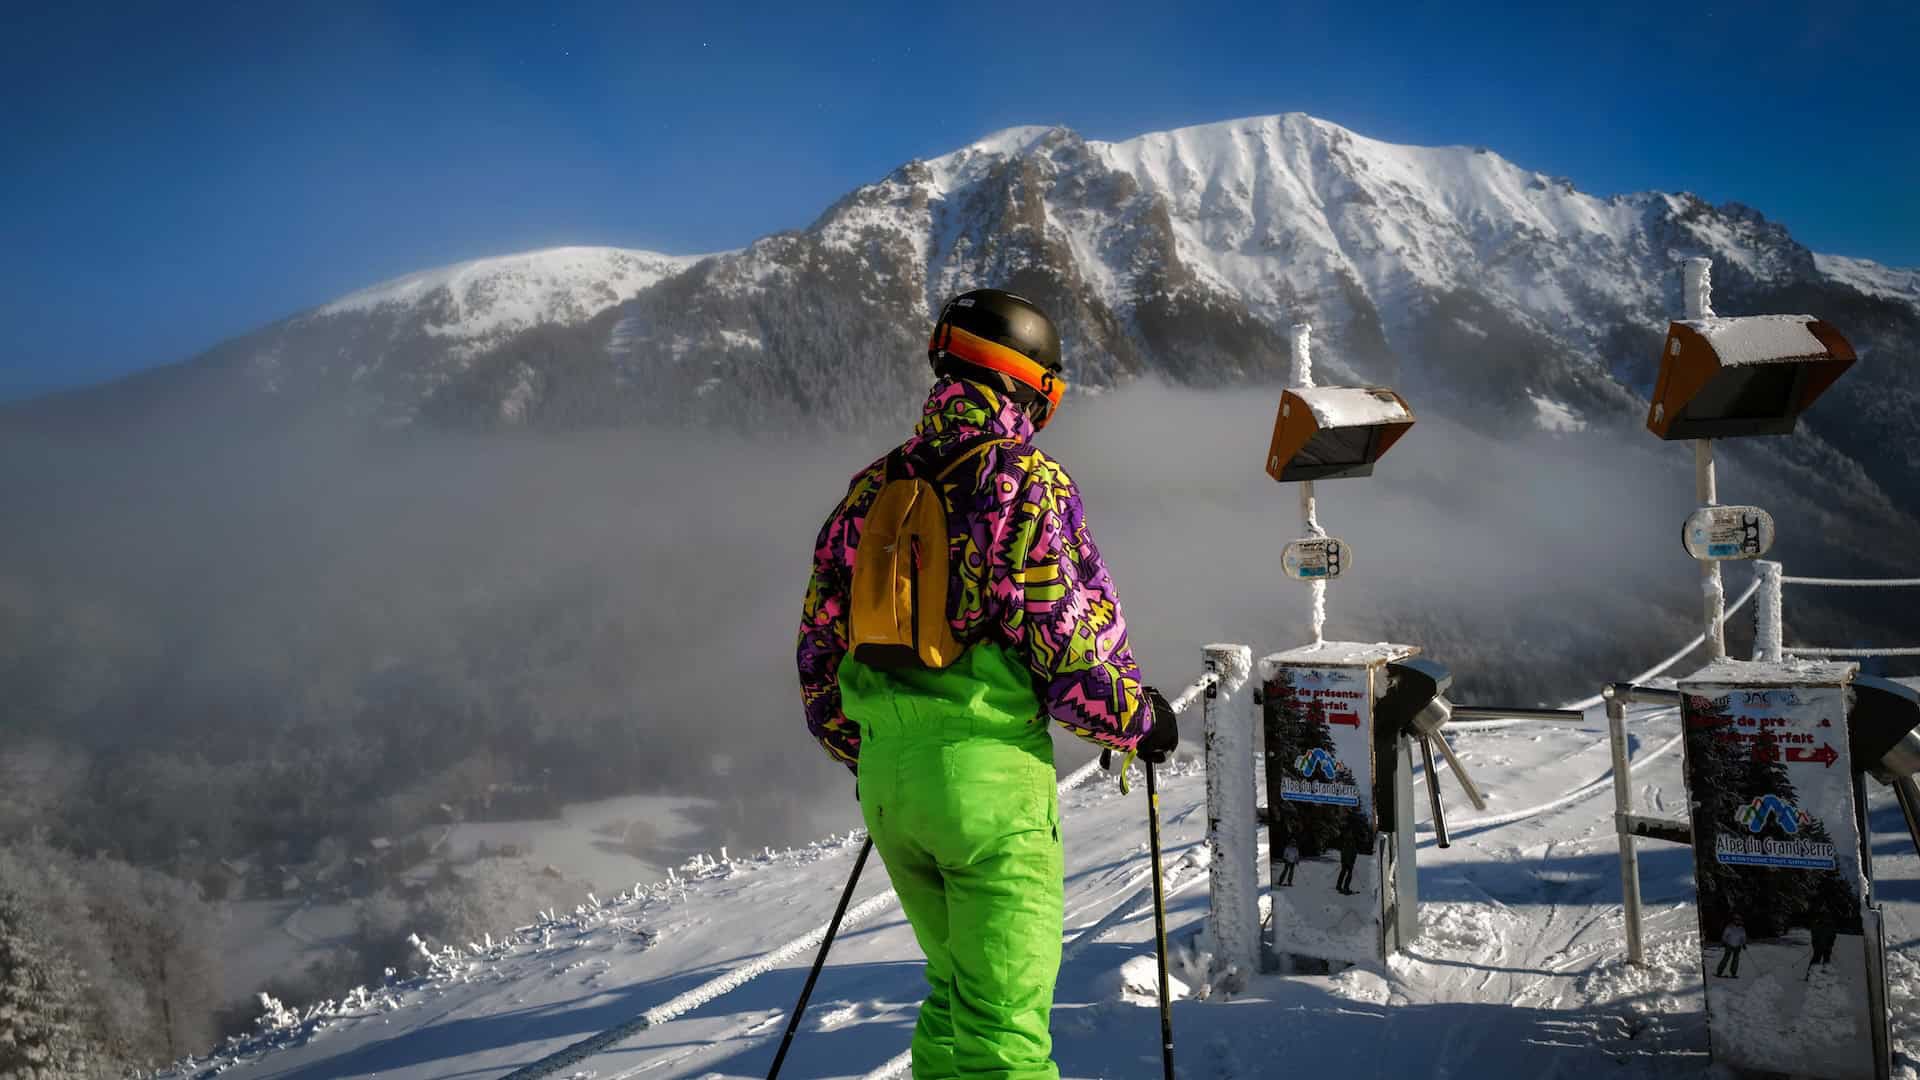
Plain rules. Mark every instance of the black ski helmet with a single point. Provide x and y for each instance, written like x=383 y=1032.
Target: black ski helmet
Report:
x=1004 y=340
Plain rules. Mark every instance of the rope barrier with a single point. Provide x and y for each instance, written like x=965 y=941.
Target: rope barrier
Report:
x=1805 y=650
x=1579 y=794
x=1852 y=583
x=1586 y=703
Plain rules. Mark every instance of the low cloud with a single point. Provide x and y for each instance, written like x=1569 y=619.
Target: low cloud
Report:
x=616 y=611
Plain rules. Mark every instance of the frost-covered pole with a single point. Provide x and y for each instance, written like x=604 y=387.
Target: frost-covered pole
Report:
x=1697 y=284
x=1622 y=812
x=1711 y=588
x=1769 y=632
x=1309 y=509
x=1698 y=287
x=1231 y=828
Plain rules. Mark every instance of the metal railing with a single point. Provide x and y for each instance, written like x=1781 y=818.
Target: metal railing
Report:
x=1770 y=617
x=1470 y=719
x=1627 y=824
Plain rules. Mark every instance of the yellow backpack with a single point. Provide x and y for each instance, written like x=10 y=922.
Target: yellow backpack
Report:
x=900 y=573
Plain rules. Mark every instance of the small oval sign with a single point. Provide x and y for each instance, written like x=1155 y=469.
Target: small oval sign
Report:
x=1715 y=533
x=1318 y=558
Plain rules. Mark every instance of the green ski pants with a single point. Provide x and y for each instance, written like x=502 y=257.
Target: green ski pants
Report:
x=964 y=813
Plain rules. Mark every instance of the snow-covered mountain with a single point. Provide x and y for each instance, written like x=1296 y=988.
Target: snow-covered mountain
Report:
x=1451 y=272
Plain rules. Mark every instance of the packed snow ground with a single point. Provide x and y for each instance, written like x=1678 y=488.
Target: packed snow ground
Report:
x=1519 y=966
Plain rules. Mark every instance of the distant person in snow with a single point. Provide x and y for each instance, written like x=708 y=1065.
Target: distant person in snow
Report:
x=1825 y=935
x=1289 y=861
x=1732 y=940
x=957 y=604
x=1351 y=837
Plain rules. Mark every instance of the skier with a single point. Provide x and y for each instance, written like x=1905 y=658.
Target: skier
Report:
x=943 y=720
x=1732 y=940
x=1350 y=837
x=1289 y=861
x=1825 y=935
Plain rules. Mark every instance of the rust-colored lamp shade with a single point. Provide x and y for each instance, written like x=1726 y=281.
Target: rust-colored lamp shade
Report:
x=1328 y=432
x=1752 y=375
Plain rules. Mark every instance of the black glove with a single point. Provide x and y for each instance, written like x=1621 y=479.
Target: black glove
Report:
x=1157 y=745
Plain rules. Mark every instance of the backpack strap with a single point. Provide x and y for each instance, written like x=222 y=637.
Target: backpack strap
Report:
x=897 y=464
x=949 y=464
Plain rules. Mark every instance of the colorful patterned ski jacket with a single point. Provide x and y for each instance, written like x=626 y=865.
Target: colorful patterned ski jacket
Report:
x=1025 y=571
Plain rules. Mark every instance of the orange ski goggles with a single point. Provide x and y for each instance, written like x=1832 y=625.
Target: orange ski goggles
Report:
x=994 y=356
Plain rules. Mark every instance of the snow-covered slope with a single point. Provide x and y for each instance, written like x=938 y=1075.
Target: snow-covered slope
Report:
x=1390 y=216
x=1871 y=278
x=493 y=297
x=1518 y=970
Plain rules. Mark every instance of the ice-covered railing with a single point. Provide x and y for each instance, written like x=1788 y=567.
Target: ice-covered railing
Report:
x=1770 y=619
x=1653 y=672
x=1226 y=666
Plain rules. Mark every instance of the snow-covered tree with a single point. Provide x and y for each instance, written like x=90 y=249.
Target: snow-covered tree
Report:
x=43 y=1012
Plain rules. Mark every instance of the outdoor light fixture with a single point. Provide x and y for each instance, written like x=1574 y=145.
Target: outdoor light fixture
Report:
x=1753 y=375
x=1328 y=432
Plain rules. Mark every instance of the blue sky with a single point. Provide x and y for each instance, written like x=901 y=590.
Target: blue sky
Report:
x=179 y=174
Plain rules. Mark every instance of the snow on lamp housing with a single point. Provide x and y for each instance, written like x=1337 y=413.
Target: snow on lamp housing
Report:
x=1753 y=375
x=1328 y=432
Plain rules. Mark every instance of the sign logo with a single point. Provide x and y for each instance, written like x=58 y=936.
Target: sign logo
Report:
x=1316 y=760
x=1755 y=815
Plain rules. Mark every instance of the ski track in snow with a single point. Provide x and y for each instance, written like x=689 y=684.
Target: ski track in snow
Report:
x=1519 y=962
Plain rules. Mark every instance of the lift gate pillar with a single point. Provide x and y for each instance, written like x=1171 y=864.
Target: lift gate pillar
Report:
x=1341 y=793
x=1791 y=941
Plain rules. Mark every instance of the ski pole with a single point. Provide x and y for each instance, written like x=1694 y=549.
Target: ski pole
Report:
x=819 y=961
x=1160 y=924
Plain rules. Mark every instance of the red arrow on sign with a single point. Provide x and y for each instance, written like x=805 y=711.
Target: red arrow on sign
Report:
x=1345 y=718
x=1826 y=755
